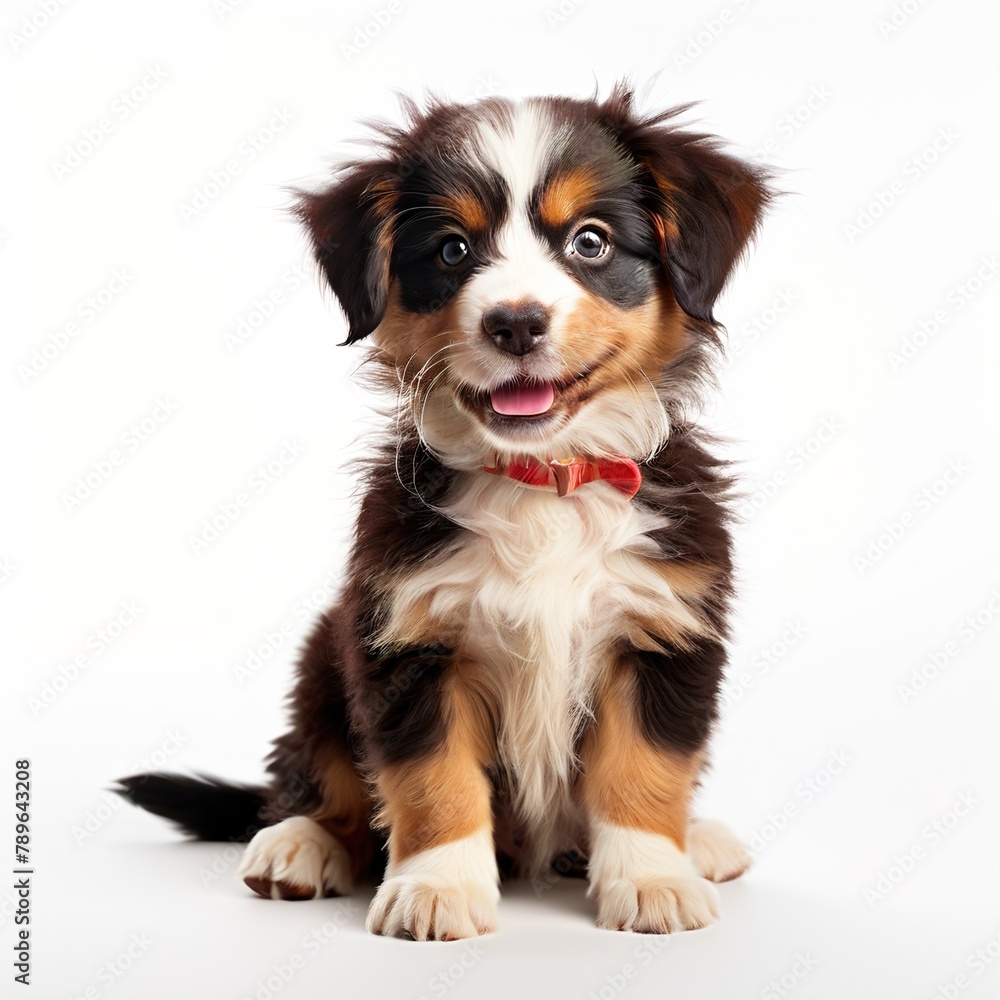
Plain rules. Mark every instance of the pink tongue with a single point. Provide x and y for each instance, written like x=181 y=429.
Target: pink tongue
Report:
x=522 y=399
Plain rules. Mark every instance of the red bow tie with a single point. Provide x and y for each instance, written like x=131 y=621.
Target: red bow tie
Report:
x=566 y=474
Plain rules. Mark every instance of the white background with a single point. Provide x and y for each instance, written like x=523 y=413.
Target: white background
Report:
x=881 y=236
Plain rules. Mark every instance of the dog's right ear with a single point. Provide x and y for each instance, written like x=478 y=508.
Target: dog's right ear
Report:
x=350 y=225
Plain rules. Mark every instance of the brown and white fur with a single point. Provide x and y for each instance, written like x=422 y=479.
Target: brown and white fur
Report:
x=510 y=674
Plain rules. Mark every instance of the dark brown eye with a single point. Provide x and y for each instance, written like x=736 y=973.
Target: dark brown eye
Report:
x=589 y=243
x=454 y=250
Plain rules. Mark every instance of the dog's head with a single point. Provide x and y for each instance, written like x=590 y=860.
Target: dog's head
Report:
x=537 y=277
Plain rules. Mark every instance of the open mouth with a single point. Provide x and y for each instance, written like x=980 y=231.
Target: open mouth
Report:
x=522 y=398
x=525 y=400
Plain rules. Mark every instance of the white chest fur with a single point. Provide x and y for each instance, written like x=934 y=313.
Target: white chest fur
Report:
x=542 y=586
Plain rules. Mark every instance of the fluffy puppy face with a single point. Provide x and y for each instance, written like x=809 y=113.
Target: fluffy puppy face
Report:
x=537 y=277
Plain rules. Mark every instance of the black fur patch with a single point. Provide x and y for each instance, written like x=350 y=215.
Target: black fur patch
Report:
x=395 y=696
x=400 y=522
x=422 y=224
x=400 y=712
x=630 y=273
x=676 y=693
x=344 y=224
x=319 y=723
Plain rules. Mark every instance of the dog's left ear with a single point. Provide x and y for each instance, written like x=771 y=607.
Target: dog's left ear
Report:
x=350 y=228
x=706 y=205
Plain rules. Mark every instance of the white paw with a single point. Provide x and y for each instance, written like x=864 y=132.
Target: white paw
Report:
x=428 y=910
x=296 y=859
x=656 y=905
x=441 y=894
x=715 y=852
x=644 y=882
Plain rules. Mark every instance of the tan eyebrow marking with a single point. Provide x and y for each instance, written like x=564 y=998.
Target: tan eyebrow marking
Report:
x=466 y=208
x=567 y=196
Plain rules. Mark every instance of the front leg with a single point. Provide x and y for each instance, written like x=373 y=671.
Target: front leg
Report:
x=441 y=882
x=637 y=789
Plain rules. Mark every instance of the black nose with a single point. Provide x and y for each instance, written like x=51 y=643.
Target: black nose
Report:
x=516 y=329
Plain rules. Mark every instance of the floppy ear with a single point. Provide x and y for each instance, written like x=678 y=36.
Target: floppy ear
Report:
x=705 y=205
x=350 y=228
x=709 y=207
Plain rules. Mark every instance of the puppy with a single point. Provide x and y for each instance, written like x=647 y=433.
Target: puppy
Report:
x=525 y=657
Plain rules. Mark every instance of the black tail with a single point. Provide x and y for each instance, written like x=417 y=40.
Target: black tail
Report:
x=203 y=807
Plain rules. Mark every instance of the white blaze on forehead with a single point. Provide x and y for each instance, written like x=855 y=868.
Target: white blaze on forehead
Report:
x=519 y=148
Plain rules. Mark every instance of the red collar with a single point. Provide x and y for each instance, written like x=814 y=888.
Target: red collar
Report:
x=566 y=474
